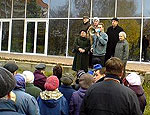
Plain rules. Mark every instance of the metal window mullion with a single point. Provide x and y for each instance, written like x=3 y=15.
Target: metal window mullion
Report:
x=116 y=8
x=91 y=13
x=10 y=31
x=46 y=38
x=25 y=34
x=35 y=37
x=1 y=35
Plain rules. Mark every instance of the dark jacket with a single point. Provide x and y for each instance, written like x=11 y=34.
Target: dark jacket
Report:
x=76 y=101
x=113 y=38
x=39 y=79
x=81 y=60
x=52 y=103
x=32 y=90
x=140 y=94
x=8 y=107
x=122 y=51
x=67 y=92
x=85 y=26
x=109 y=97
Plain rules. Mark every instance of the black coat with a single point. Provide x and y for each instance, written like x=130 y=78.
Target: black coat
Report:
x=81 y=60
x=113 y=38
x=110 y=98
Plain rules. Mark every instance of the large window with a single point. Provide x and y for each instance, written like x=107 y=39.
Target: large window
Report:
x=146 y=8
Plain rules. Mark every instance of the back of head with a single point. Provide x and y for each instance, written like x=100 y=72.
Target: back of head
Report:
x=40 y=66
x=29 y=76
x=85 y=81
x=67 y=79
x=114 y=66
x=51 y=83
x=7 y=82
x=20 y=81
x=11 y=66
x=57 y=71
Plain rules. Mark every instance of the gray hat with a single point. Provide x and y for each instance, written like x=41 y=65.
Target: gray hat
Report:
x=7 y=82
x=67 y=79
x=11 y=66
x=40 y=66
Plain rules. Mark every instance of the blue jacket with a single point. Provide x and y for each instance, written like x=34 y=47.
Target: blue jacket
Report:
x=67 y=92
x=8 y=107
x=56 y=106
x=27 y=104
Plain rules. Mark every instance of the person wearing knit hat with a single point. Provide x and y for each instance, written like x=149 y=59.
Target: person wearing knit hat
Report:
x=27 y=104
x=30 y=88
x=85 y=81
x=7 y=97
x=52 y=100
x=133 y=81
x=39 y=76
x=11 y=66
x=66 y=88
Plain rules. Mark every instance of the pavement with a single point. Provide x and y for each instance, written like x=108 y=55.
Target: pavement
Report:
x=131 y=66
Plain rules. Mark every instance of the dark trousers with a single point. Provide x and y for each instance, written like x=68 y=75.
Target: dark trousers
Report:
x=98 y=60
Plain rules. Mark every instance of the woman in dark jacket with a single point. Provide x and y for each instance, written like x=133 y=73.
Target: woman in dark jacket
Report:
x=81 y=48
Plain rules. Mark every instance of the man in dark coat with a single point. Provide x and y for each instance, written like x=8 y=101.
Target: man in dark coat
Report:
x=81 y=58
x=110 y=97
x=113 y=38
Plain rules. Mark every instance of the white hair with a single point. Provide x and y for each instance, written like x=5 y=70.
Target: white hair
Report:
x=95 y=18
x=123 y=33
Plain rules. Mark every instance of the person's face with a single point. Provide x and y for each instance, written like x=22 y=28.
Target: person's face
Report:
x=83 y=34
x=96 y=22
x=121 y=37
x=114 y=23
x=85 y=20
x=100 y=27
x=97 y=75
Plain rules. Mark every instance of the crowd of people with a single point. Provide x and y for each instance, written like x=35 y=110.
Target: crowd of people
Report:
x=102 y=90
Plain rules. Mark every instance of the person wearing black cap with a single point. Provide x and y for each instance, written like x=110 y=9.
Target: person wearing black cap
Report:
x=40 y=78
x=86 y=23
x=113 y=37
x=7 y=97
x=82 y=47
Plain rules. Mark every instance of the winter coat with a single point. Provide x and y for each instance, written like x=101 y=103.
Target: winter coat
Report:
x=140 y=94
x=81 y=60
x=52 y=103
x=32 y=90
x=122 y=51
x=113 y=38
x=26 y=103
x=39 y=79
x=8 y=107
x=109 y=97
x=67 y=92
x=85 y=26
x=100 y=44
x=76 y=101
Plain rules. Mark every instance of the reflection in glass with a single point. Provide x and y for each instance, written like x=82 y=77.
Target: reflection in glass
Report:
x=37 y=9
x=80 y=8
x=103 y=8
x=57 y=37
x=74 y=31
x=40 y=37
x=59 y=8
x=129 y=8
x=5 y=36
x=17 y=36
x=146 y=41
x=146 y=7
x=133 y=37
x=5 y=8
x=30 y=37
x=18 y=8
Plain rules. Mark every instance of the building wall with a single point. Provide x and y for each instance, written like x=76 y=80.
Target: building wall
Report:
x=49 y=27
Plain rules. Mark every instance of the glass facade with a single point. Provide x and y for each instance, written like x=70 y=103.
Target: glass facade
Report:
x=49 y=27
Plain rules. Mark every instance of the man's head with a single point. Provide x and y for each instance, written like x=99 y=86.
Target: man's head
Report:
x=85 y=19
x=101 y=27
x=114 y=66
x=115 y=22
x=7 y=82
x=67 y=79
x=83 y=33
x=99 y=73
x=96 y=21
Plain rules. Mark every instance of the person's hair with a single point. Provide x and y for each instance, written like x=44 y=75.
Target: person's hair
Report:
x=57 y=71
x=86 y=80
x=114 y=66
x=102 y=70
x=123 y=33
